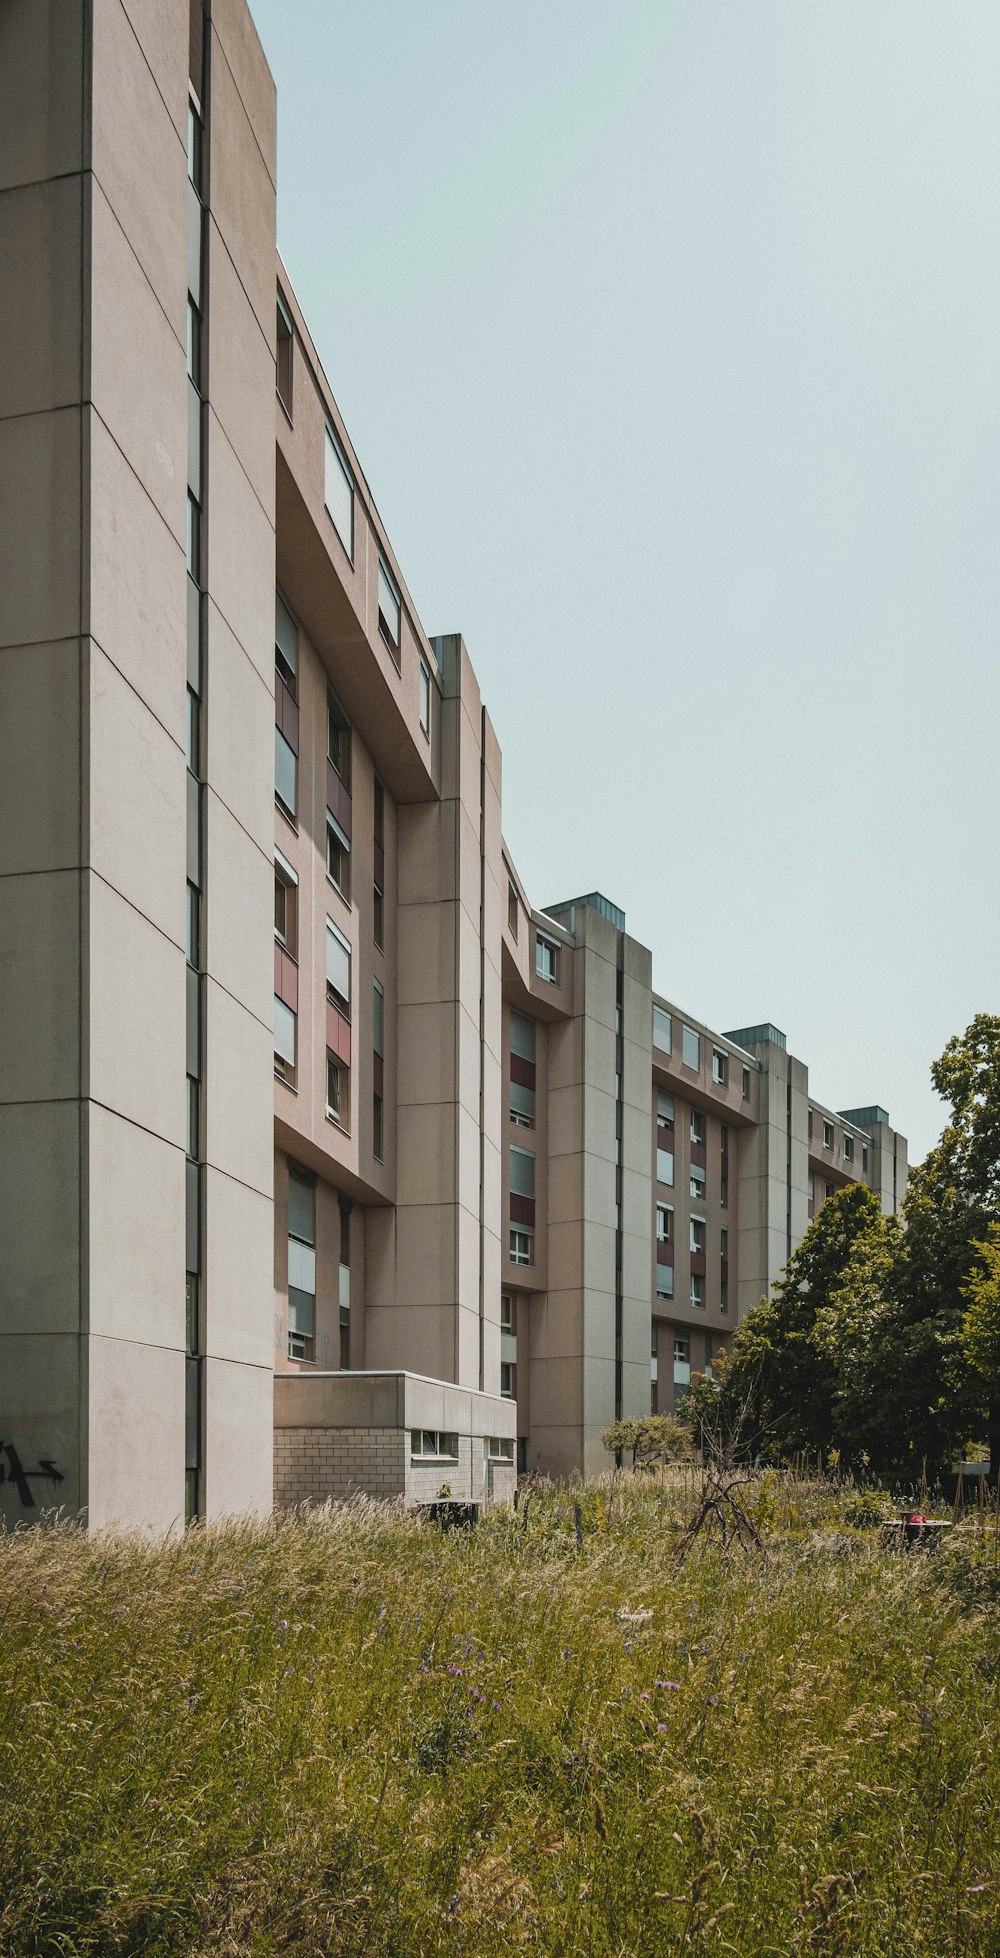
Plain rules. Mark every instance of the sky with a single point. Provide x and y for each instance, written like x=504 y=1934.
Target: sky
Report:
x=668 y=335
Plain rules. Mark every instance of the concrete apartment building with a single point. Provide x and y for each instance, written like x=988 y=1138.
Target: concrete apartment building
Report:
x=327 y=1159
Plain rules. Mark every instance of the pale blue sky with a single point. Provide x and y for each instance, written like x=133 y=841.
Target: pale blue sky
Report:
x=668 y=333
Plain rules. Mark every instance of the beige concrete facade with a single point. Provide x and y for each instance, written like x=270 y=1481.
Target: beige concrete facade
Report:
x=463 y=1142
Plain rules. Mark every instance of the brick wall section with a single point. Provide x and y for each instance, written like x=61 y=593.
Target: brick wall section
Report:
x=312 y=1464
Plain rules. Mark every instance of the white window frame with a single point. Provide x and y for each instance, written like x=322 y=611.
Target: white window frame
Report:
x=546 y=959
x=390 y=606
x=343 y=946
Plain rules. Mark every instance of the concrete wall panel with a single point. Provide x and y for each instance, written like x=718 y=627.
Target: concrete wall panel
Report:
x=139 y=156
x=40 y=526
x=135 y=1403
x=238 y=1127
x=39 y=973
x=41 y=90
x=138 y=783
x=40 y=777
x=40 y=316
x=239 y=1470
x=137 y=1031
x=135 y=1243
x=40 y=1206
x=138 y=583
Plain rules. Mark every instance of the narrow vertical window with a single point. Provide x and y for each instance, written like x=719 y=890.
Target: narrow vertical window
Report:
x=339 y=492
x=425 y=696
x=285 y=341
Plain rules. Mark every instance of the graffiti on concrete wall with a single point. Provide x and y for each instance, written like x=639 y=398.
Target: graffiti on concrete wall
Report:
x=12 y=1470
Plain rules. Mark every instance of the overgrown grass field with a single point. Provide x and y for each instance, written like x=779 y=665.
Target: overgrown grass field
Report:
x=346 y=1733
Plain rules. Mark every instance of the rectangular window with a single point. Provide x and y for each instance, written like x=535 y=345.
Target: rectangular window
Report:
x=724 y=1194
x=339 y=492
x=507 y=1313
x=546 y=959
x=662 y=1029
x=682 y=1362
x=286 y=645
x=338 y=967
x=828 y=1189
x=192 y=925
x=664 y=1281
x=191 y=1120
x=425 y=696
x=664 y=1108
x=697 y=1126
x=521 y=1247
x=849 y=1148
x=194 y=344
x=338 y=857
x=864 y=1158
x=511 y=909
x=284 y=341
x=285 y=892
x=338 y=1100
x=377 y=1143
x=497 y=1448
x=192 y=740
x=665 y=1167
x=286 y=773
x=522 y=1105
x=828 y=1135
x=697 y=1181
x=284 y=1040
x=663 y=1216
x=691 y=1048
x=194 y=538
x=378 y=1017
x=697 y=1234
x=379 y=813
x=812 y=1187
x=508 y=1380
x=429 y=1444
x=697 y=1290
x=724 y=1241
x=389 y=608
x=301 y=1264
x=378 y=917
x=194 y=147
x=720 y=1067
x=522 y=1172
x=338 y=739
x=746 y=1084
x=522 y=1036
x=724 y=1295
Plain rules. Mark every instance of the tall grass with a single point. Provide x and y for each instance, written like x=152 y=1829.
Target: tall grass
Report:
x=343 y=1732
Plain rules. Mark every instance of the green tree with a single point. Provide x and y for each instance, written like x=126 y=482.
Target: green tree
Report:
x=651 y=1438
x=793 y=1382
x=952 y=1199
x=981 y=1333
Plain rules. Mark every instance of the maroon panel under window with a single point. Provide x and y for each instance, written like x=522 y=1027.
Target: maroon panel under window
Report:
x=338 y=799
x=522 y=1209
x=663 y=1127
x=698 y=1155
x=338 y=1033
x=522 y=1071
x=698 y=1264
x=286 y=978
x=664 y=1252
x=380 y=866
x=378 y=1074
